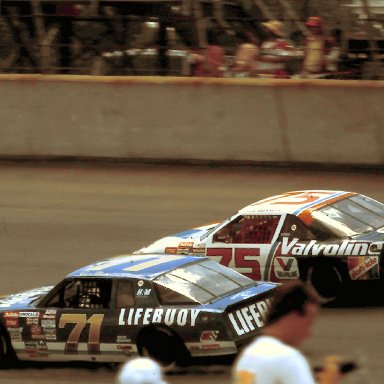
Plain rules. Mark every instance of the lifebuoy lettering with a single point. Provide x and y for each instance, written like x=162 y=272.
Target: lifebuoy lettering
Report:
x=249 y=318
x=145 y=316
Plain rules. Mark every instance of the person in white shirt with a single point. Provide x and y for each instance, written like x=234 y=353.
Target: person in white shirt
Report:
x=140 y=370
x=273 y=357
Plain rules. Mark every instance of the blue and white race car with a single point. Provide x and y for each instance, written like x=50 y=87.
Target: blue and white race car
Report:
x=332 y=239
x=169 y=307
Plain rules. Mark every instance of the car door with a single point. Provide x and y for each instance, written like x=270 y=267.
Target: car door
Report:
x=246 y=244
x=132 y=297
x=77 y=322
x=284 y=264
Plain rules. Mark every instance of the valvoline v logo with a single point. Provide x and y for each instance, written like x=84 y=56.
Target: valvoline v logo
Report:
x=285 y=263
x=285 y=267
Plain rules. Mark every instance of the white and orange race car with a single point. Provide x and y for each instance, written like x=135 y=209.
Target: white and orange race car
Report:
x=328 y=238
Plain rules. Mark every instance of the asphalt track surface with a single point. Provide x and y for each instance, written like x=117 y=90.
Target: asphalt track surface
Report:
x=56 y=217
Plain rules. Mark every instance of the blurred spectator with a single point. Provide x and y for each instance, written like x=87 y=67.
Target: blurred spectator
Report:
x=209 y=61
x=333 y=57
x=66 y=12
x=141 y=370
x=275 y=51
x=273 y=357
x=196 y=60
x=214 y=56
x=245 y=60
x=316 y=47
x=162 y=42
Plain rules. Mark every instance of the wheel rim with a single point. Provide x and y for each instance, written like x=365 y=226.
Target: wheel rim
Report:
x=326 y=280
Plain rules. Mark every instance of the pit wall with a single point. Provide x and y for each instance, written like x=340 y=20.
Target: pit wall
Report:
x=220 y=120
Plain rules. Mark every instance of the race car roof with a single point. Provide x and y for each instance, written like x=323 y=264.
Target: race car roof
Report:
x=137 y=266
x=295 y=202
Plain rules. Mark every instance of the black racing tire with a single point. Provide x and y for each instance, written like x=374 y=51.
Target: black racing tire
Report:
x=7 y=355
x=163 y=346
x=327 y=280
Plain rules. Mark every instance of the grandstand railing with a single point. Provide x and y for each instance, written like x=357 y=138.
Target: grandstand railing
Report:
x=122 y=37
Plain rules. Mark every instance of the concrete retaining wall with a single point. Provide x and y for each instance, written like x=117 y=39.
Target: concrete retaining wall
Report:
x=319 y=121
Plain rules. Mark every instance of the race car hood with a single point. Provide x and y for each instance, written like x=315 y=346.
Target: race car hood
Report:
x=194 y=233
x=173 y=241
x=252 y=294
x=377 y=235
x=22 y=299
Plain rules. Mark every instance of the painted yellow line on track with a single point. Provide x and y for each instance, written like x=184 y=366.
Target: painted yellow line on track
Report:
x=197 y=81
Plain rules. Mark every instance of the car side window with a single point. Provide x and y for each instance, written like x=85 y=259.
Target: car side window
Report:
x=293 y=227
x=95 y=294
x=83 y=293
x=124 y=294
x=248 y=229
x=170 y=297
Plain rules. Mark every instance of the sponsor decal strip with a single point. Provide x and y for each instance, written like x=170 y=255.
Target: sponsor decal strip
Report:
x=83 y=347
x=364 y=265
x=215 y=349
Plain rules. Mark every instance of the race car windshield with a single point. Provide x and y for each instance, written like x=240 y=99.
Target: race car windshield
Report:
x=200 y=283
x=206 y=234
x=359 y=213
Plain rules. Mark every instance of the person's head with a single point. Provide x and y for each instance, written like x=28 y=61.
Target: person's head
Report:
x=141 y=370
x=274 y=28
x=293 y=310
x=315 y=25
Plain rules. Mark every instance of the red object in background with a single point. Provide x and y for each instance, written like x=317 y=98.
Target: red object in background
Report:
x=67 y=8
x=315 y=21
x=214 y=56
